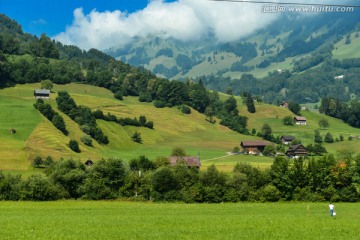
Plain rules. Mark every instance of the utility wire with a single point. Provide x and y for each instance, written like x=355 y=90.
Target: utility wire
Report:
x=289 y=3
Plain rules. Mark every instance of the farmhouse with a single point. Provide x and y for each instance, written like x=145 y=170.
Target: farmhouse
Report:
x=254 y=147
x=41 y=93
x=188 y=161
x=284 y=104
x=296 y=151
x=287 y=139
x=300 y=120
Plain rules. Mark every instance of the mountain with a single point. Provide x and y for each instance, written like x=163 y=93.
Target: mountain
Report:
x=274 y=47
x=294 y=44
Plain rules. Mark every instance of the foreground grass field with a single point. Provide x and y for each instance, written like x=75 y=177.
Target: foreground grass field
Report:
x=123 y=220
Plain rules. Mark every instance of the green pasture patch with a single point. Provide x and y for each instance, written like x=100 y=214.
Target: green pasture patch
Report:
x=124 y=220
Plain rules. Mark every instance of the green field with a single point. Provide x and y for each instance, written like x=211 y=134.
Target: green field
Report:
x=123 y=220
x=36 y=136
x=351 y=50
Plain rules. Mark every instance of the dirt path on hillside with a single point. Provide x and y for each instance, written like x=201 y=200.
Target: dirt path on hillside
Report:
x=228 y=155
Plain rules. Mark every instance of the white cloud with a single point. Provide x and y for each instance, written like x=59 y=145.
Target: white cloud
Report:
x=184 y=20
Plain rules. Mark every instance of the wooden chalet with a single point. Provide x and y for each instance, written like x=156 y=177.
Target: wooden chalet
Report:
x=188 y=161
x=296 y=151
x=287 y=139
x=255 y=146
x=284 y=104
x=300 y=120
x=41 y=93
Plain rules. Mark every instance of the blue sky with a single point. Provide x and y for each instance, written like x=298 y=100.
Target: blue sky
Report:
x=52 y=16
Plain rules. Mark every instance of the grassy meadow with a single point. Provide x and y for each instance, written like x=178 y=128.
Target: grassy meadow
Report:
x=123 y=220
x=36 y=136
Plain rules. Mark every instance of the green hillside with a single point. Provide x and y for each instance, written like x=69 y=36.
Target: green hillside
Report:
x=36 y=136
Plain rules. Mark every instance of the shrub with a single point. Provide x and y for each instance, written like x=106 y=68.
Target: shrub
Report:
x=73 y=145
x=86 y=139
x=38 y=162
x=149 y=124
x=145 y=97
x=118 y=95
x=59 y=123
x=136 y=137
x=288 y=120
x=159 y=104
x=185 y=109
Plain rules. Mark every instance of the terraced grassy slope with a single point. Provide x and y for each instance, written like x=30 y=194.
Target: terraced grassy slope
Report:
x=36 y=136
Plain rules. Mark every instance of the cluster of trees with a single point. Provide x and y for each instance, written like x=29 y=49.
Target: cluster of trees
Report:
x=46 y=110
x=82 y=115
x=327 y=178
x=141 y=122
x=348 y=112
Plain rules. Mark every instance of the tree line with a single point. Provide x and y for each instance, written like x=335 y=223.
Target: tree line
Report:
x=327 y=178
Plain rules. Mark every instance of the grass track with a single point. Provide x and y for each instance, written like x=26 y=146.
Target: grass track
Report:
x=123 y=220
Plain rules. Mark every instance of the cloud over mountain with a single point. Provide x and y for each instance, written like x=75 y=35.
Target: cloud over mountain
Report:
x=185 y=20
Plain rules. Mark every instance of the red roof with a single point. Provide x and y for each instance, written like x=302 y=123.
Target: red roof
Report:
x=189 y=161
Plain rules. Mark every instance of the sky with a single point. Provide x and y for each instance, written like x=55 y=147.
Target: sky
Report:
x=103 y=24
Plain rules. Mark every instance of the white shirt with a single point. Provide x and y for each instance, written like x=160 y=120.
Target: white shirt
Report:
x=331 y=206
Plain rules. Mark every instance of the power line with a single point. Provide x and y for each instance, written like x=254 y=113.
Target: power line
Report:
x=288 y=3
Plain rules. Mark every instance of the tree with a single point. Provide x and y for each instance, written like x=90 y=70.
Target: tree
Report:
x=185 y=109
x=65 y=102
x=163 y=181
x=136 y=137
x=266 y=132
x=38 y=161
x=236 y=149
x=46 y=84
x=323 y=123
x=328 y=138
x=142 y=120
x=118 y=95
x=210 y=112
x=86 y=139
x=317 y=137
x=230 y=106
x=250 y=104
x=179 y=152
x=69 y=174
x=59 y=123
x=288 y=120
x=73 y=145
x=269 y=150
x=294 y=107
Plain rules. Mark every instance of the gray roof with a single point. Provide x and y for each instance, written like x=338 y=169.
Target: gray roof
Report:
x=288 y=138
x=42 y=91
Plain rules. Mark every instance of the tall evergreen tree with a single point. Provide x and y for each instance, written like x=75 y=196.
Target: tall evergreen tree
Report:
x=250 y=104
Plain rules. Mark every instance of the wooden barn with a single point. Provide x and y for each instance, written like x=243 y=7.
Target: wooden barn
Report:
x=41 y=93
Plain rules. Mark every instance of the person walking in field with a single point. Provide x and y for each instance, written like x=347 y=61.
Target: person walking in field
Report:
x=331 y=207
